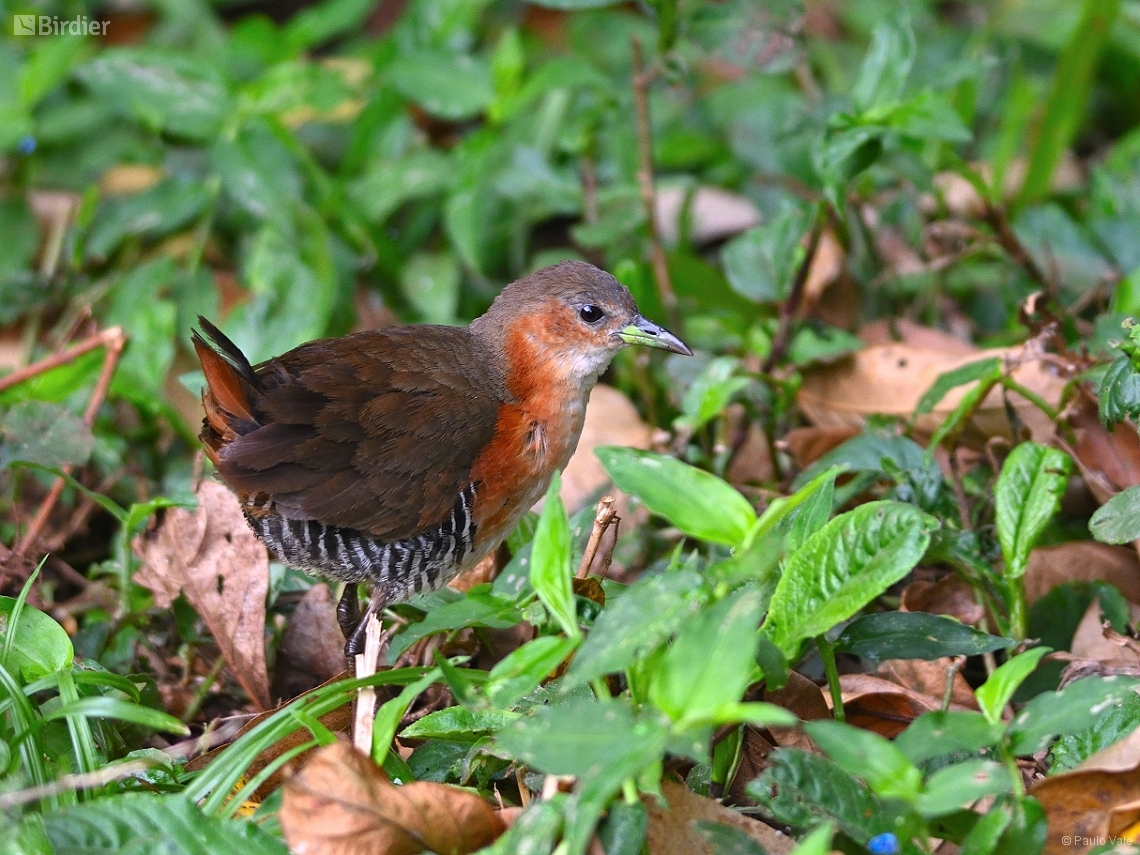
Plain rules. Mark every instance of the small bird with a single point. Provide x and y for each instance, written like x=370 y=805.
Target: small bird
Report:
x=401 y=457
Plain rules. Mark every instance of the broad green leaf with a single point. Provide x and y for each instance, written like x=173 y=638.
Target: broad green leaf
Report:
x=1119 y=393
x=697 y=502
x=996 y=692
x=971 y=372
x=39 y=647
x=635 y=623
x=711 y=392
x=524 y=668
x=430 y=283
x=1074 y=748
x=1118 y=519
x=938 y=733
x=885 y=68
x=447 y=84
x=478 y=608
x=320 y=22
x=1027 y=494
x=174 y=92
x=683 y=685
x=388 y=184
x=872 y=451
x=869 y=756
x=1074 y=708
x=43 y=433
x=458 y=724
x=843 y=567
x=817 y=841
x=761 y=263
x=815 y=511
x=550 y=572
x=915 y=635
x=144 y=823
x=166 y=207
x=802 y=789
x=961 y=784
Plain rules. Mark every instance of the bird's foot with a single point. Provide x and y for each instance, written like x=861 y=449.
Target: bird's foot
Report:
x=356 y=633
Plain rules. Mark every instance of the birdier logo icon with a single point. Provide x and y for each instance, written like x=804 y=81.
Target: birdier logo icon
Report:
x=23 y=25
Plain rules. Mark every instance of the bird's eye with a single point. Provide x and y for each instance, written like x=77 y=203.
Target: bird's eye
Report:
x=591 y=314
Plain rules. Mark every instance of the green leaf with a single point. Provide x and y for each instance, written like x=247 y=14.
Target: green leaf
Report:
x=391 y=712
x=144 y=823
x=1078 y=706
x=524 y=668
x=697 y=502
x=1118 y=519
x=711 y=392
x=683 y=685
x=885 y=68
x=938 y=733
x=961 y=784
x=996 y=692
x=459 y=724
x=166 y=207
x=175 y=93
x=388 y=184
x=984 y=370
x=1072 y=86
x=843 y=567
x=120 y=710
x=574 y=5
x=430 y=283
x=869 y=756
x=915 y=635
x=801 y=789
x=1074 y=748
x=550 y=572
x=478 y=608
x=44 y=433
x=318 y=23
x=446 y=84
x=1119 y=392
x=761 y=263
x=39 y=647
x=1027 y=494
x=635 y=623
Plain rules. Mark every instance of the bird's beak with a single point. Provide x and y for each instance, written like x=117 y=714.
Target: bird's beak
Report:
x=644 y=331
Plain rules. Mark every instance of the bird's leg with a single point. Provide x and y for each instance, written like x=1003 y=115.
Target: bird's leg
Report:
x=355 y=643
x=348 y=611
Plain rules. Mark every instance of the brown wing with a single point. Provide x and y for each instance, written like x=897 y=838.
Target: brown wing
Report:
x=375 y=431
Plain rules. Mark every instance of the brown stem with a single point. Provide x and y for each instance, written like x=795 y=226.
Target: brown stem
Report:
x=602 y=521
x=114 y=340
x=791 y=305
x=641 y=80
x=1008 y=240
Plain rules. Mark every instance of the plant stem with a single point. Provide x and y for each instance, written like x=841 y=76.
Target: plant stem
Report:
x=827 y=654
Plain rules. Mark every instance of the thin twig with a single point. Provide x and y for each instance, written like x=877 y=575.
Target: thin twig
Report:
x=366 y=663
x=114 y=340
x=641 y=80
x=1008 y=240
x=791 y=305
x=602 y=520
x=100 y=339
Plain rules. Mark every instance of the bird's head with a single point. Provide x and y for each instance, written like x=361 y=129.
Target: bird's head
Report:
x=568 y=321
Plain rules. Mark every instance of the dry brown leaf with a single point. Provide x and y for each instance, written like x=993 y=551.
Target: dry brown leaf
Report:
x=928 y=678
x=755 y=750
x=890 y=380
x=311 y=651
x=341 y=803
x=672 y=829
x=882 y=706
x=129 y=178
x=714 y=214
x=808 y=444
x=1109 y=460
x=1097 y=800
x=752 y=463
x=1082 y=561
x=826 y=267
x=901 y=331
x=611 y=419
x=950 y=595
x=213 y=557
x=806 y=701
